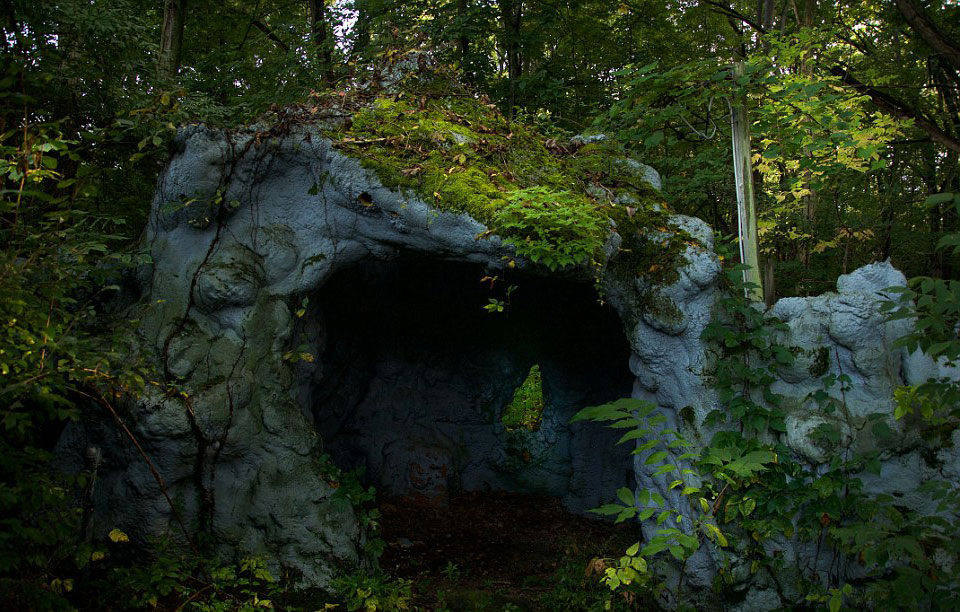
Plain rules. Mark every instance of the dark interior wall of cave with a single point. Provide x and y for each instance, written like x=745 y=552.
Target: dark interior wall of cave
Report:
x=412 y=375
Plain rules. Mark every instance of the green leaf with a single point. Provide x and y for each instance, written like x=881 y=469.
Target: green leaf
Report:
x=656 y=457
x=938 y=198
x=646 y=446
x=608 y=509
x=632 y=435
x=836 y=601
x=655 y=545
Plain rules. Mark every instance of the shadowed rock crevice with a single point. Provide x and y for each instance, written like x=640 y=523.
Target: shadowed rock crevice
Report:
x=416 y=375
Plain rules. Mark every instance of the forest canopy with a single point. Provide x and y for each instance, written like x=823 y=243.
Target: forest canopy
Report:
x=853 y=106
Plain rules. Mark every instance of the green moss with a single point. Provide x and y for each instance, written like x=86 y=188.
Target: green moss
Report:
x=525 y=411
x=821 y=362
x=461 y=155
x=651 y=247
x=458 y=153
x=661 y=307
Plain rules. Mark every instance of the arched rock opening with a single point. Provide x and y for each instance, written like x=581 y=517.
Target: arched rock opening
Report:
x=416 y=374
x=240 y=445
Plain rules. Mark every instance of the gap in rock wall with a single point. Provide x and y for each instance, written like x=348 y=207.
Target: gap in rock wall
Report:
x=413 y=375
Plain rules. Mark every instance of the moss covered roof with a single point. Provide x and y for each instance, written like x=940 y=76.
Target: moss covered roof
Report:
x=556 y=203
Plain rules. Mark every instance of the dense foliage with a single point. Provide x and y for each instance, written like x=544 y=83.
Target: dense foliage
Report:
x=855 y=114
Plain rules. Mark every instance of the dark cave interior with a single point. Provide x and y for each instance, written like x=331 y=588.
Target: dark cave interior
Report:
x=413 y=374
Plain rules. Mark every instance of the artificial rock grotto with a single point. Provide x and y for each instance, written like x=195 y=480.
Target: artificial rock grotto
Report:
x=313 y=309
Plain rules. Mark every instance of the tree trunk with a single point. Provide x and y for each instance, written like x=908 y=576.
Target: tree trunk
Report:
x=769 y=280
x=921 y=23
x=322 y=38
x=887 y=213
x=765 y=10
x=511 y=14
x=746 y=204
x=463 y=16
x=361 y=40
x=171 y=38
x=71 y=43
x=950 y=219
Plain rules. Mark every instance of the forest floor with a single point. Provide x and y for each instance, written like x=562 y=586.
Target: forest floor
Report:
x=500 y=551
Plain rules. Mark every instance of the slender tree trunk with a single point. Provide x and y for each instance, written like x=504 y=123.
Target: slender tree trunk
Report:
x=810 y=200
x=463 y=16
x=70 y=43
x=950 y=220
x=769 y=279
x=322 y=38
x=765 y=11
x=746 y=203
x=921 y=23
x=171 y=38
x=928 y=174
x=511 y=14
x=887 y=212
x=361 y=28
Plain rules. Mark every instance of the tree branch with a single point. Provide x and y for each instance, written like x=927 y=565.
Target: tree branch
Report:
x=928 y=31
x=731 y=12
x=260 y=26
x=893 y=106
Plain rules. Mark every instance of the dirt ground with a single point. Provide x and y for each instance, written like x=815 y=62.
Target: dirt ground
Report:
x=498 y=551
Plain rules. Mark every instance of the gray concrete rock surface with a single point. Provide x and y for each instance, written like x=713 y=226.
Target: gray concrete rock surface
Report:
x=243 y=227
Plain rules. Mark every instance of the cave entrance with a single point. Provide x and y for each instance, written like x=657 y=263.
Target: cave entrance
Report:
x=414 y=374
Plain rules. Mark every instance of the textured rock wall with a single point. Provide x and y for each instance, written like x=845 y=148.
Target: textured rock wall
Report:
x=245 y=226
x=845 y=334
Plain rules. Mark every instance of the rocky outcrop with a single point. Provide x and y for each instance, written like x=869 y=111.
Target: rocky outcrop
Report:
x=243 y=228
x=259 y=243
